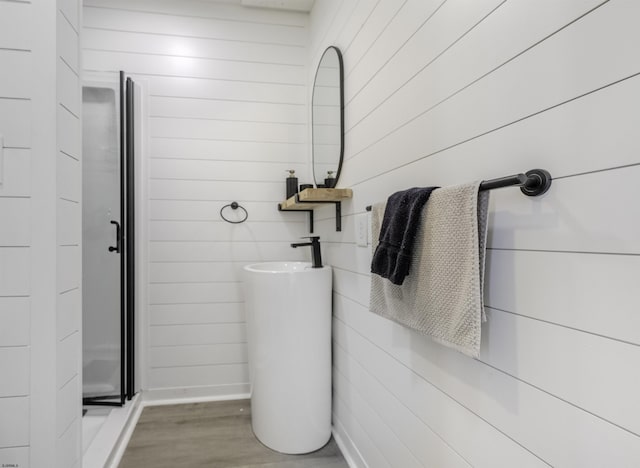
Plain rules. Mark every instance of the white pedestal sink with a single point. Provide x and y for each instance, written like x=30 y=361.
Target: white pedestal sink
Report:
x=288 y=307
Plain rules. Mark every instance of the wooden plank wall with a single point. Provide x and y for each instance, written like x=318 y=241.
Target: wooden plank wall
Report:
x=227 y=115
x=15 y=238
x=444 y=92
x=69 y=236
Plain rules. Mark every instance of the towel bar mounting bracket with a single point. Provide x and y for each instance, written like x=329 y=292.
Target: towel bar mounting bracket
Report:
x=538 y=182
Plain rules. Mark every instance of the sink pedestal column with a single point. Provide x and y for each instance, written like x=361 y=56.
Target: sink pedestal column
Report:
x=288 y=307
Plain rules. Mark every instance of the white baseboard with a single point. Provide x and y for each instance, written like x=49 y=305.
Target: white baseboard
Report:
x=175 y=396
x=349 y=451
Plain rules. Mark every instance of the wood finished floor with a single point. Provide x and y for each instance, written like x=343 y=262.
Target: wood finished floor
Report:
x=216 y=434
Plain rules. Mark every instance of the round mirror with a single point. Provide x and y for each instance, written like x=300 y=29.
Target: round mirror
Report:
x=327 y=114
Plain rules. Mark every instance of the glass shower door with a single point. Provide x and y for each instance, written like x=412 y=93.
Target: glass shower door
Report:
x=102 y=249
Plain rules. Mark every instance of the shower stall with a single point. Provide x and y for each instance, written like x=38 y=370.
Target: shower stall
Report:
x=108 y=252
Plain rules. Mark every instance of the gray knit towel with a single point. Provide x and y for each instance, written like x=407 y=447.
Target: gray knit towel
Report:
x=443 y=296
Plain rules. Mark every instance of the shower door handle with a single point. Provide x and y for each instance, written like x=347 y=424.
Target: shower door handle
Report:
x=116 y=249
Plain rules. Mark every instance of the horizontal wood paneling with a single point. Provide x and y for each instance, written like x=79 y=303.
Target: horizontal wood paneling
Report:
x=68 y=405
x=439 y=412
x=227 y=130
x=182 y=314
x=14 y=271
x=195 y=293
x=69 y=222
x=18 y=83
x=69 y=358
x=217 y=190
x=14 y=321
x=204 y=355
x=68 y=91
x=521 y=410
x=227 y=374
x=15 y=122
x=221 y=170
x=68 y=42
x=569 y=364
x=194 y=210
x=180 y=66
x=192 y=26
x=175 y=272
x=606 y=115
x=358 y=433
x=69 y=178
x=16 y=222
x=193 y=8
x=459 y=31
x=69 y=313
x=15 y=25
x=566 y=220
x=16 y=173
x=14 y=424
x=476 y=92
x=142 y=43
x=69 y=236
x=18 y=456
x=227 y=110
x=14 y=368
x=71 y=11
x=69 y=137
x=16 y=89
x=207 y=231
x=219 y=150
x=393 y=448
x=593 y=293
x=69 y=261
x=223 y=251
x=227 y=116
x=70 y=446
x=227 y=90
x=582 y=75
x=201 y=334
x=418 y=446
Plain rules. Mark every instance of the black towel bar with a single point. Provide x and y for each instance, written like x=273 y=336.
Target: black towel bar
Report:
x=533 y=183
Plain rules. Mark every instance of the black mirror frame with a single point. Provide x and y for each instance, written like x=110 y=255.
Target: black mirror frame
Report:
x=341 y=71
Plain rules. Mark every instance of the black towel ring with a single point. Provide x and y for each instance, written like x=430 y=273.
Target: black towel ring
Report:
x=234 y=206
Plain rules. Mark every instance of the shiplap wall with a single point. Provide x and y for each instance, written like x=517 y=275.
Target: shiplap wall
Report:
x=15 y=239
x=40 y=399
x=69 y=233
x=227 y=115
x=444 y=92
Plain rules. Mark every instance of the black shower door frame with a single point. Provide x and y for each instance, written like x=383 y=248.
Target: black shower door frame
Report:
x=127 y=250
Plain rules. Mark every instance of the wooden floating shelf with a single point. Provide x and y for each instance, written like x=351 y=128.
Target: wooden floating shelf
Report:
x=312 y=198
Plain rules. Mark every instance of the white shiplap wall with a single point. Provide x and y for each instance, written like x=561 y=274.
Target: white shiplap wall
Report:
x=39 y=247
x=69 y=232
x=444 y=92
x=15 y=239
x=227 y=115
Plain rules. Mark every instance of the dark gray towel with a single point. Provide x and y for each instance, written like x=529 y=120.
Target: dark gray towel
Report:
x=392 y=258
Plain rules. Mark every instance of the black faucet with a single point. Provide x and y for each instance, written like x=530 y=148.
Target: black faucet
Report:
x=315 y=250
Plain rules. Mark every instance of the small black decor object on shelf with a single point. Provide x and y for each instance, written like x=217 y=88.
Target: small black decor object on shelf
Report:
x=292 y=183
x=330 y=181
x=234 y=206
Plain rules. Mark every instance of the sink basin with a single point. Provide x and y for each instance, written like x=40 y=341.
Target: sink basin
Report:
x=288 y=306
